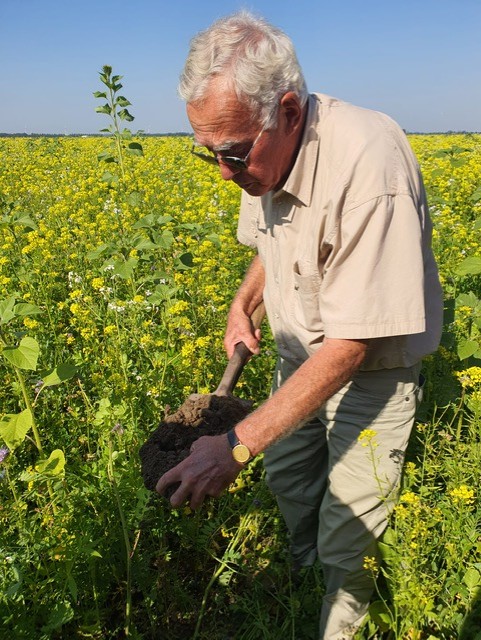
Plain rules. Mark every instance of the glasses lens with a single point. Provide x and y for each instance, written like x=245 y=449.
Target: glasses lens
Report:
x=232 y=161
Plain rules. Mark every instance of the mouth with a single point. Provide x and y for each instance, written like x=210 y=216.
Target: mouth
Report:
x=245 y=185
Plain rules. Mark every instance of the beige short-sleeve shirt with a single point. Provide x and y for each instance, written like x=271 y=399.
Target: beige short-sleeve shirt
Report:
x=346 y=243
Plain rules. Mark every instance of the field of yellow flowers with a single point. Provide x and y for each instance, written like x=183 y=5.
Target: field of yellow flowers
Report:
x=113 y=299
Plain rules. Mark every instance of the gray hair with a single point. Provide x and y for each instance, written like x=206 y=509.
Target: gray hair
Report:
x=257 y=59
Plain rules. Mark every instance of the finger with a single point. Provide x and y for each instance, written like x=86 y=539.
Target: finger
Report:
x=170 y=477
x=181 y=495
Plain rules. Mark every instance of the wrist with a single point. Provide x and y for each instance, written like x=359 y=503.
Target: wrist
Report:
x=240 y=452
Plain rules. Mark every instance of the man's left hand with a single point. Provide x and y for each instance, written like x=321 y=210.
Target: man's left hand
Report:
x=207 y=471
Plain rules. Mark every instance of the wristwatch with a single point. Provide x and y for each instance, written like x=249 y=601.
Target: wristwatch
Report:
x=240 y=452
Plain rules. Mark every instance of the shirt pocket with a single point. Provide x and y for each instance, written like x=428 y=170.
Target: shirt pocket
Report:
x=306 y=310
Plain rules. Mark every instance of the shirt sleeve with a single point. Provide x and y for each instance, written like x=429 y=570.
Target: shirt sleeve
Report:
x=372 y=281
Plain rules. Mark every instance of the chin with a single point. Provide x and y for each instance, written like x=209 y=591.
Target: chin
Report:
x=254 y=188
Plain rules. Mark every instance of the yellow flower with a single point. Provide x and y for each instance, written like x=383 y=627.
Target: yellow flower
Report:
x=97 y=283
x=469 y=378
x=409 y=497
x=145 y=341
x=462 y=494
x=178 y=307
x=366 y=438
x=371 y=565
x=110 y=329
x=30 y=323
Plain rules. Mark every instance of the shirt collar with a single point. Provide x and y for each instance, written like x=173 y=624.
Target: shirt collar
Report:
x=300 y=181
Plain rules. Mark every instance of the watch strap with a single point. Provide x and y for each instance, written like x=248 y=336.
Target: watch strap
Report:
x=232 y=438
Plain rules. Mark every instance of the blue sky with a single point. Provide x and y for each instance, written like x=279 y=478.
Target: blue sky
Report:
x=417 y=60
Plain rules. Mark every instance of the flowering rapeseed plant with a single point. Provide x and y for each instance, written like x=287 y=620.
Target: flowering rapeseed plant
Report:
x=134 y=279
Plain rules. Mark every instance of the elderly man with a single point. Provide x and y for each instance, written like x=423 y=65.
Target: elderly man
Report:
x=334 y=204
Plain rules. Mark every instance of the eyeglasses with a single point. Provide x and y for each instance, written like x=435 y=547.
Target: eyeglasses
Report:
x=231 y=161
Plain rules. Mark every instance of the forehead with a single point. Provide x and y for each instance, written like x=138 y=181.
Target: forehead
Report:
x=220 y=118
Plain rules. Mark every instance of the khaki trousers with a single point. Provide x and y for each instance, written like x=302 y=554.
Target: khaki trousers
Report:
x=336 y=490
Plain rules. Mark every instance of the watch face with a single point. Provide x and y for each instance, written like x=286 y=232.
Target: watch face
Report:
x=241 y=453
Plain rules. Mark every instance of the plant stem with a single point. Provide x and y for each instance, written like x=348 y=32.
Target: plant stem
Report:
x=461 y=416
x=36 y=434
x=29 y=406
x=118 y=142
x=125 y=531
x=11 y=485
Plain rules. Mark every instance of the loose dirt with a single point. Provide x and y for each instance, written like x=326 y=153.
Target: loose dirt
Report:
x=200 y=415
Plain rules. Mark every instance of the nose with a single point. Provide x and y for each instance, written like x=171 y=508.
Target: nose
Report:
x=227 y=172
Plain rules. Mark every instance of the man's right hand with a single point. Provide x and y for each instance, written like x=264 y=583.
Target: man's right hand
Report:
x=239 y=329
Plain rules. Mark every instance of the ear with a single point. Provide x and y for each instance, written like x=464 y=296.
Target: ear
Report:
x=291 y=112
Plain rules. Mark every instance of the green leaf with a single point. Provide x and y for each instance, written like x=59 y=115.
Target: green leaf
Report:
x=25 y=356
x=135 y=149
x=110 y=178
x=162 y=293
x=106 y=156
x=142 y=244
x=99 y=251
x=59 y=614
x=62 y=372
x=165 y=239
x=7 y=311
x=214 y=238
x=25 y=309
x=14 y=428
x=468 y=300
x=100 y=94
x=106 y=108
x=103 y=411
x=151 y=221
x=72 y=586
x=185 y=261
x=381 y=615
x=125 y=115
x=134 y=199
x=54 y=466
x=476 y=196
x=472 y=578
x=24 y=220
x=469 y=266
x=122 y=101
x=125 y=269
x=467 y=348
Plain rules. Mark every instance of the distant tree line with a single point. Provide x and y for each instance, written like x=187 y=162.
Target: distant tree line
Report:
x=87 y=135
x=185 y=133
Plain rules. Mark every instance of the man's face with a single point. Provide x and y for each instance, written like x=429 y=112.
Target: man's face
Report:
x=225 y=126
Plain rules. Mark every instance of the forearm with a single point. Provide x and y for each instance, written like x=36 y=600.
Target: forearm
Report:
x=250 y=292
x=324 y=373
x=249 y=295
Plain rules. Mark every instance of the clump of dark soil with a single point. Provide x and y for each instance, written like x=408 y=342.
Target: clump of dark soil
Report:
x=200 y=415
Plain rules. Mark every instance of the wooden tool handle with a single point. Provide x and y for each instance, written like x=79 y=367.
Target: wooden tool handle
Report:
x=239 y=358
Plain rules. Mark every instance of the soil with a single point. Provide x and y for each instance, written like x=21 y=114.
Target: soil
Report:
x=200 y=415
